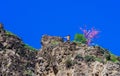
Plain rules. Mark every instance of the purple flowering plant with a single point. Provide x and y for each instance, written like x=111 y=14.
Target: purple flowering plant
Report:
x=89 y=34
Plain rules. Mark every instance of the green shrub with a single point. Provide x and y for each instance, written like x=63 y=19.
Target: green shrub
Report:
x=29 y=73
x=89 y=58
x=54 y=42
x=107 y=55
x=98 y=59
x=79 y=38
x=79 y=57
x=113 y=58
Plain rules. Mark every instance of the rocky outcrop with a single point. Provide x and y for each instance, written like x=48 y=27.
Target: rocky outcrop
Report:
x=15 y=58
x=71 y=59
x=56 y=58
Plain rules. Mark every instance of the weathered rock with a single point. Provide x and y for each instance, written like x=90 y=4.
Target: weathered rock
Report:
x=55 y=58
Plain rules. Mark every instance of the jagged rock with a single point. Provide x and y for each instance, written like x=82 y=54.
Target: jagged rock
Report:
x=56 y=58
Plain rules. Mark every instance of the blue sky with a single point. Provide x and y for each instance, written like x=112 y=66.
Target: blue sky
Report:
x=30 y=19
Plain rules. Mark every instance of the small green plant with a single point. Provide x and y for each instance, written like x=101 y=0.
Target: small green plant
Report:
x=9 y=33
x=29 y=73
x=79 y=57
x=79 y=38
x=54 y=43
x=113 y=58
x=29 y=47
x=89 y=58
x=107 y=56
x=98 y=59
x=110 y=57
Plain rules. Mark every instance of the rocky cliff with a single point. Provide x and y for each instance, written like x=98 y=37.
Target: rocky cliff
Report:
x=56 y=58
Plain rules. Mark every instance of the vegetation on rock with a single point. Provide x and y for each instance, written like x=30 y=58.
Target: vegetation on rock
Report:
x=89 y=34
x=29 y=47
x=79 y=38
x=113 y=58
x=9 y=33
x=89 y=58
x=56 y=57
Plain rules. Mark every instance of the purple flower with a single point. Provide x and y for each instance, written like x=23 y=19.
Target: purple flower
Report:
x=89 y=34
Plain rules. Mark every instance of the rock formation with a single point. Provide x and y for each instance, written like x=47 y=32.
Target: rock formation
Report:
x=56 y=58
